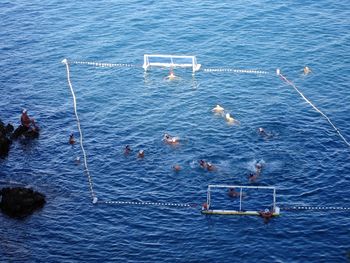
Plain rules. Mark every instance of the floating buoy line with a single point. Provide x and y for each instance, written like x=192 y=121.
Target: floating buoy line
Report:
x=195 y=67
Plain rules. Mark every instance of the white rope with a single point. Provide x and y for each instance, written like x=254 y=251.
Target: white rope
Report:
x=247 y=71
x=146 y=203
x=111 y=65
x=322 y=208
x=313 y=106
x=103 y=65
x=86 y=170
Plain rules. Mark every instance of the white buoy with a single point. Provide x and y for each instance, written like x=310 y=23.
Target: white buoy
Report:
x=94 y=200
x=65 y=61
x=278 y=72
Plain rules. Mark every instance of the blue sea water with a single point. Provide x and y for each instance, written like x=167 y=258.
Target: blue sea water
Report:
x=305 y=159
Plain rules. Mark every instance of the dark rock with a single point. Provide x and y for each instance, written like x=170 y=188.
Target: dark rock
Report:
x=19 y=202
x=30 y=133
x=19 y=132
x=2 y=125
x=5 y=144
x=9 y=129
x=5 y=138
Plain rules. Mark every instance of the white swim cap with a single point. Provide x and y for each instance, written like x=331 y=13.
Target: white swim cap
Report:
x=24 y=111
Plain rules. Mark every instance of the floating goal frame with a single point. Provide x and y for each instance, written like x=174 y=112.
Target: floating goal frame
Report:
x=207 y=210
x=171 y=64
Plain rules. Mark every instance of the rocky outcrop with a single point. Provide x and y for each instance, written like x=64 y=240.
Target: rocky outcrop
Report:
x=30 y=133
x=8 y=133
x=5 y=138
x=19 y=202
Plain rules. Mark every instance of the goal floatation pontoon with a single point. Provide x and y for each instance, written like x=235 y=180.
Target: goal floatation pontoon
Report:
x=206 y=208
x=170 y=61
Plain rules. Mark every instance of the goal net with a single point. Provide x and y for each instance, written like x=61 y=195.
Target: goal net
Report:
x=244 y=200
x=170 y=61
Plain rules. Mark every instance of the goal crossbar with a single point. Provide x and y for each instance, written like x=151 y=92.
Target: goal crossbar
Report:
x=240 y=211
x=170 y=61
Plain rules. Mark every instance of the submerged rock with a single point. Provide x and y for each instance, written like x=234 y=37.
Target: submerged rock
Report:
x=5 y=140
x=8 y=133
x=19 y=202
x=5 y=144
x=30 y=133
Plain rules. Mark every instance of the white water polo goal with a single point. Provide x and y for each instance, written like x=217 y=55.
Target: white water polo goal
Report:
x=170 y=61
x=240 y=200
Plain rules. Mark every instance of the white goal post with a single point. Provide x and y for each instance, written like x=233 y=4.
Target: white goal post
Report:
x=239 y=195
x=170 y=61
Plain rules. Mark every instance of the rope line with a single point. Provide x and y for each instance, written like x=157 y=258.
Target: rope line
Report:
x=319 y=208
x=112 y=65
x=86 y=170
x=247 y=71
x=313 y=106
x=147 y=203
x=103 y=65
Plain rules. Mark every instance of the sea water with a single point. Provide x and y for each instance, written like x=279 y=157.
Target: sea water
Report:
x=305 y=159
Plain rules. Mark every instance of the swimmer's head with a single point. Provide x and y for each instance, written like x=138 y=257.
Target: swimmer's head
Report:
x=24 y=111
x=261 y=130
x=307 y=70
x=267 y=210
x=177 y=167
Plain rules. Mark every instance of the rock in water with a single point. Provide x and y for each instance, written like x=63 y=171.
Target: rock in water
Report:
x=19 y=202
x=5 y=139
x=5 y=144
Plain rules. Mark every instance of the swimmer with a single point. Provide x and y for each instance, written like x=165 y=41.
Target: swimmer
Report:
x=205 y=206
x=71 y=139
x=229 y=119
x=233 y=193
x=258 y=168
x=77 y=160
x=210 y=166
x=170 y=139
x=202 y=164
x=262 y=131
x=307 y=70
x=252 y=177
x=264 y=134
x=206 y=165
x=127 y=149
x=171 y=75
x=177 y=168
x=266 y=214
x=141 y=154
x=218 y=109
x=25 y=120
